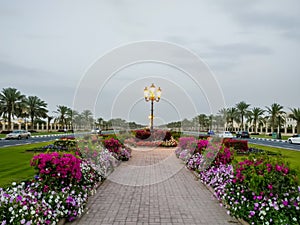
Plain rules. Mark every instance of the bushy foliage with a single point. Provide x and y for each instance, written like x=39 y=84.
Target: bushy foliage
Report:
x=240 y=146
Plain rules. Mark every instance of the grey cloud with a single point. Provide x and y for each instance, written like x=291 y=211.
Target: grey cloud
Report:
x=14 y=70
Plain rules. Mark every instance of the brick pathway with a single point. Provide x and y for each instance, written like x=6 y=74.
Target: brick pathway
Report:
x=153 y=188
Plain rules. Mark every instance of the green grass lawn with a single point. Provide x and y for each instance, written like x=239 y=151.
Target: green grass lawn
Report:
x=15 y=163
x=293 y=157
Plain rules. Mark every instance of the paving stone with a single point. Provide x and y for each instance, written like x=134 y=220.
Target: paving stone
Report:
x=153 y=187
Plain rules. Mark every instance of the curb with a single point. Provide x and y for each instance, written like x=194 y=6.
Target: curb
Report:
x=47 y=135
x=267 y=139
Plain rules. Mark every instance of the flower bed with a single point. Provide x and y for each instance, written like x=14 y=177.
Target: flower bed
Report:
x=59 y=191
x=61 y=188
x=262 y=189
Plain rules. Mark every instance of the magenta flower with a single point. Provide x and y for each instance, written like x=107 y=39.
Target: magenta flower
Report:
x=285 y=203
x=278 y=168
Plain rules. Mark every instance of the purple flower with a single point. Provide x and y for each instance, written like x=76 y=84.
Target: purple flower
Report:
x=285 y=203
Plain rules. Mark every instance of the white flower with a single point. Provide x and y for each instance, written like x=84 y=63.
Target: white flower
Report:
x=261 y=217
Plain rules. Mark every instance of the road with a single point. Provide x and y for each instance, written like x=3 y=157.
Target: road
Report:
x=265 y=142
x=272 y=143
x=34 y=139
x=275 y=143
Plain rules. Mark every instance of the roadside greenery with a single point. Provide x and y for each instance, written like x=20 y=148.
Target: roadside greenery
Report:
x=258 y=188
x=293 y=157
x=15 y=163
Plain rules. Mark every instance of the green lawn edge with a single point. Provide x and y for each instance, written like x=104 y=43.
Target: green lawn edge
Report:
x=291 y=156
x=15 y=163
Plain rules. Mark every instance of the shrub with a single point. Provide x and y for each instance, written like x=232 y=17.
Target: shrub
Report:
x=264 y=190
x=175 y=134
x=54 y=167
x=240 y=146
x=113 y=145
x=142 y=134
x=67 y=144
x=189 y=143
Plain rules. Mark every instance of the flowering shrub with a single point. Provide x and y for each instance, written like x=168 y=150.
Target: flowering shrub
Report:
x=265 y=174
x=261 y=189
x=240 y=146
x=113 y=145
x=68 y=137
x=187 y=143
x=169 y=143
x=55 y=167
x=201 y=145
x=40 y=202
x=142 y=134
x=62 y=186
x=217 y=177
x=194 y=162
x=264 y=190
x=184 y=155
x=101 y=158
x=224 y=156
x=125 y=154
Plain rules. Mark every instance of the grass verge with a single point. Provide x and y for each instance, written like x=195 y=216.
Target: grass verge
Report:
x=15 y=163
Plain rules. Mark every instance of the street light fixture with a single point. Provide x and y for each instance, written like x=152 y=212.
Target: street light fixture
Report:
x=152 y=94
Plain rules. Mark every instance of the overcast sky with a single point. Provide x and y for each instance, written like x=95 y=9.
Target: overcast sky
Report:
x=250 y=52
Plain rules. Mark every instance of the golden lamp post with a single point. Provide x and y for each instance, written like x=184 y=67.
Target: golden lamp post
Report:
x=152 y=94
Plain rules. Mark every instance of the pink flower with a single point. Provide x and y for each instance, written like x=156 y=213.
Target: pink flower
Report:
x=278 y=168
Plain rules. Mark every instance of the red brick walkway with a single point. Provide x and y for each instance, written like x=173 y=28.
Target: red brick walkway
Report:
x=153 y=187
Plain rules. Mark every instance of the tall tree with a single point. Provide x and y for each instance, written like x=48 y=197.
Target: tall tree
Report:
x=296 y=116
x=255 y=116
x=275 y=116
x=11 y=101
x=203 y=122
x=63 y=114
x=36 y=108
x=242 y=111
x=87 y=117
x=231 y=116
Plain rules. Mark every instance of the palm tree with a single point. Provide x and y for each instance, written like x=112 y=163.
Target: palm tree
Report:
x=87 y=117
x=255 y=116
x=99 y=122
x=218 y=121
x=231 y=116
x=49 y=118
x=296 y=116
x=242 y=111
x=63 y=114
x=275 y=115
x=203 y=122
x=223 y=114
x=11 y=101
x=36 y=108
